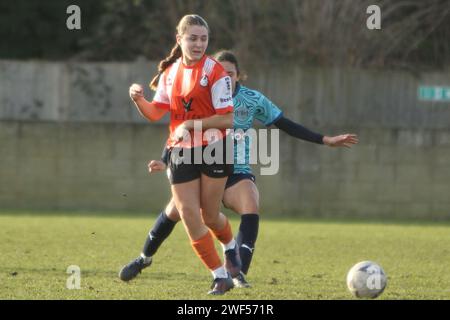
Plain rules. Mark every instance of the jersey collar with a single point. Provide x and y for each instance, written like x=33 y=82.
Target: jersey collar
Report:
x=195 y=65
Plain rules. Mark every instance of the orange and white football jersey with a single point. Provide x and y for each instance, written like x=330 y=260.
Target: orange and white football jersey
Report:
x=194 y=92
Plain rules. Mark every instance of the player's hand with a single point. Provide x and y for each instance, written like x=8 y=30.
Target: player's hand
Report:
x=155 y=166
x=136 y=92
x=344 y=140
x=181 y=132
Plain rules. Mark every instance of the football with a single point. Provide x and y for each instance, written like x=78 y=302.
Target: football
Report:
x=366 y=279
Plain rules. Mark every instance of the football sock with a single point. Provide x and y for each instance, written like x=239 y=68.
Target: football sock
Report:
x=229 y=245
x=160 y=231
x=146 y=259
x=246 y=238
x=225 y=236
x=220 y=273
x=206 y=251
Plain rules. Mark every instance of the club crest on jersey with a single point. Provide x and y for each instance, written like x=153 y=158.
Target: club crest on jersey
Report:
x=187 y=104
x=241 y=114
x=204 y=81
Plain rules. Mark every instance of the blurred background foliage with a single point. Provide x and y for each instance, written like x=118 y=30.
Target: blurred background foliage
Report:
x=415 y=33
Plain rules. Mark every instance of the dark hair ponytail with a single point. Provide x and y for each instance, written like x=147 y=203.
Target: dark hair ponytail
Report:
x=229 y=56
x=164 y=64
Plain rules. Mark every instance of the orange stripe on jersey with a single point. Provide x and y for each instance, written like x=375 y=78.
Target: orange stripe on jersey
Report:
x=194 y=92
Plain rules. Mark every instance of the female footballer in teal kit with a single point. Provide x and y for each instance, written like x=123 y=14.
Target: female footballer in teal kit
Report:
x=241 y=194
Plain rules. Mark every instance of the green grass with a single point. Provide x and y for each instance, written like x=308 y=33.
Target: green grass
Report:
x=294 y=259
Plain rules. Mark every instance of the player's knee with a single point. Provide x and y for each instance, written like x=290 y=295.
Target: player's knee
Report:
x=172 y=212
x=211 y=220
x=212 y=224
x=249 y=206
x=188 y=211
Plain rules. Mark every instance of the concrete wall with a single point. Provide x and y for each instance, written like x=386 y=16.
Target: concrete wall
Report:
x=81 y=92
x=80 y=166
x=70 y=138
x=390 y=174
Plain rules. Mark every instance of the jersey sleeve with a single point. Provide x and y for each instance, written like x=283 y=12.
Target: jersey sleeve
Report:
x=161 y=98
x=221 y=93
x=267 y=112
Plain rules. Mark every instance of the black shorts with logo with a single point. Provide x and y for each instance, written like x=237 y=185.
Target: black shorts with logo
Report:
x=238 y=177
x=179 y=170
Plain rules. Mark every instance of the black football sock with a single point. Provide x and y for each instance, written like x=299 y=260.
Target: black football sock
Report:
x=160 y=231
x=246 y=238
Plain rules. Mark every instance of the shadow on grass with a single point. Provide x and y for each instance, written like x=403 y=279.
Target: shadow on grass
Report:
x=14 y=272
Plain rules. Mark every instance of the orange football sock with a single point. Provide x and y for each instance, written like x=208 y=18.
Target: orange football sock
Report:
x=225 y=235
x=206 y=251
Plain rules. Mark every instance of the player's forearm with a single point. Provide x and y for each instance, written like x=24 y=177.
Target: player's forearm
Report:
x=148 y=110
x=298 y=131
x=216 y=121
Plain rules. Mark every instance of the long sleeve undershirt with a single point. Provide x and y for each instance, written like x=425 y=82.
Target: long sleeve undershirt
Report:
x=298 y=131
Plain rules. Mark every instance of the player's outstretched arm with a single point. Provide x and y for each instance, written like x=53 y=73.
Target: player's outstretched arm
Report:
x=300 y=132
x=145 y=108
x=343 y=140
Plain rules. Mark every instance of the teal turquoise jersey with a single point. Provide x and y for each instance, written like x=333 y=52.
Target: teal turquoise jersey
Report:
x=250 y=105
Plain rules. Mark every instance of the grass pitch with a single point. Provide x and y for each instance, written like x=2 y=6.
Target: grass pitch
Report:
x=294 y=259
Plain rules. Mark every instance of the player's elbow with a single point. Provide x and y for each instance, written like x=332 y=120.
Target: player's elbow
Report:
x=151 y=113
x=155 y=117
x=146 y=115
